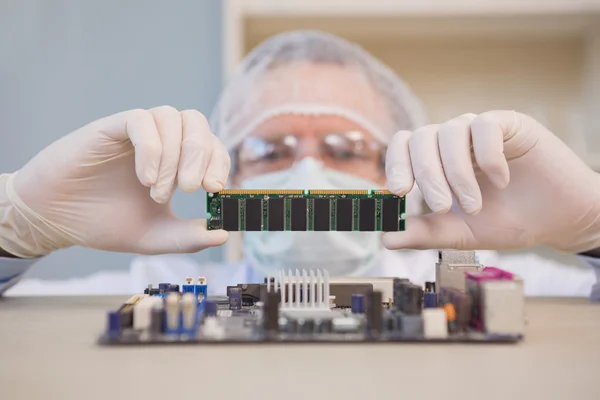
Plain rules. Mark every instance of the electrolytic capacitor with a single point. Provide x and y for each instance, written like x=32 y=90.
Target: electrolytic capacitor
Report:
x=188 y=313
x=357 y=302
x=172 y=313
x=235 y=298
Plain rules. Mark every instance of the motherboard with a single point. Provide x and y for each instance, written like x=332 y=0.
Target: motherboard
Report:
x=468 y=302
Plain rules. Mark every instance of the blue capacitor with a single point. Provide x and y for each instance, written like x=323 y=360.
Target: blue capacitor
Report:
x=357 y=303
x=188 y=289
x=173 y=288
x=114 y=323
x=430 y=300
x=210 y=308
x=162 y=287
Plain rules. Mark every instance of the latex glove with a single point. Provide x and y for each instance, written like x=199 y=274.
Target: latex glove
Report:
x=108 y=186
x=524 y=187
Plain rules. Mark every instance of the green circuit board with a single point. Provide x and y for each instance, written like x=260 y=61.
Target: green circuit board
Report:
x=306 y=210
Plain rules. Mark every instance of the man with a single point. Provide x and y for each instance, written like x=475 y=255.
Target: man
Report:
x=305 y=110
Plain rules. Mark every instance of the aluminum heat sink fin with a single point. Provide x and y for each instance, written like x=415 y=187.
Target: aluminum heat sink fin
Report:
x=302 y=290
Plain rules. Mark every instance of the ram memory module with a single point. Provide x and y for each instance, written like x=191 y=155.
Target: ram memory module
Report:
x=306 y=210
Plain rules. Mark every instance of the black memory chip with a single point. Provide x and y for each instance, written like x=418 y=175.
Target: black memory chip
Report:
x=230 y=212
x=254 y=214
x=366 y=215
x=321 y=214
x=298 y=212
x=276 y=215
x=344 y=214
x=390 y=215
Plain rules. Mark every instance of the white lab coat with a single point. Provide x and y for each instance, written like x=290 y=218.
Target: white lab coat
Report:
x=542 y=277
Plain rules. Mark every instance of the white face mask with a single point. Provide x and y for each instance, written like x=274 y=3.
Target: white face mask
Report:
x=341 y=253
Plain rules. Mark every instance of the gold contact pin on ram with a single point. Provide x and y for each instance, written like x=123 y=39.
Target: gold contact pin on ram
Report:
x=254 y=192
x=339 y=192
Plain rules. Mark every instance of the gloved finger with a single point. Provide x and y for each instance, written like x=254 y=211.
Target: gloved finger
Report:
x=195 y=150
x=139 y=127
x=427 y=168
x=168 y=122
x=454 y=139
x=432 y=231
x=398 y=169
x=218 y=168
x=516 y=133
x=174 y=235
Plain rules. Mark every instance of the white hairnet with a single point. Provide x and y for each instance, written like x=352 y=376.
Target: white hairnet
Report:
x=314 y=73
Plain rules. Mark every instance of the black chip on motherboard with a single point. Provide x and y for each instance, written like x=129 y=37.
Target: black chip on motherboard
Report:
x=276 y=214
x=344 y=214
x=366 y=215
x=230 y=212
x=254 y=214
x=321 y=214
x=390 y=215
x=299 y=211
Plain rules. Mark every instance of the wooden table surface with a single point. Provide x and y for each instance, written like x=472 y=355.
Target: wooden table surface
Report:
x=49 y=351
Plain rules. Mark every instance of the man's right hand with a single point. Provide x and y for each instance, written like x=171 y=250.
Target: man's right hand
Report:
x=108 y=186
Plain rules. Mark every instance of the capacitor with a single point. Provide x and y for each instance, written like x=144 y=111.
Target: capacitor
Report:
x=357 y=303
x=172 y=313
x=188 y=313
x=162 y=287
x=114 y=323
x=430 y=300
x=210 y=308
x=235 y=298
